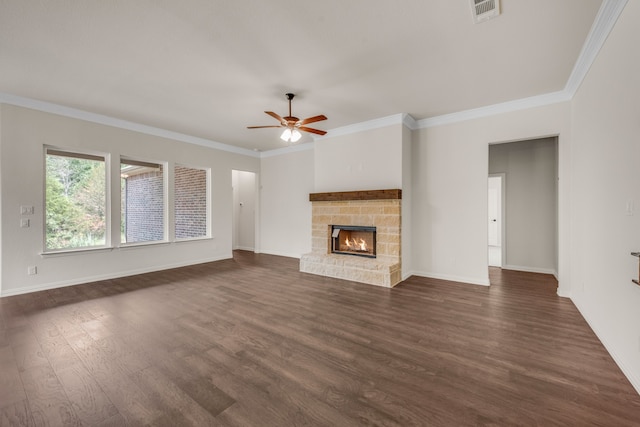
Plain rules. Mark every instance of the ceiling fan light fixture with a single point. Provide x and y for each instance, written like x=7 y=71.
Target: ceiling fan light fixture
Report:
x=290 y=135
x=286 y=135
x=293 y=125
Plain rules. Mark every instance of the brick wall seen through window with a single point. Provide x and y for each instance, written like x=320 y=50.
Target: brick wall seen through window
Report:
x=142 y=202
x=190 y=206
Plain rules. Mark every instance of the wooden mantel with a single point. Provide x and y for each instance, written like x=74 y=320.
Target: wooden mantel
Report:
x=340 y=196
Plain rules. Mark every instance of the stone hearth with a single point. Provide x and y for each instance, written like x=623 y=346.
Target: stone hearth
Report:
x=380 y=209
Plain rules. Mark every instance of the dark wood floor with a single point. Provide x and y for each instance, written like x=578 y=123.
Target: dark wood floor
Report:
x=253 y=342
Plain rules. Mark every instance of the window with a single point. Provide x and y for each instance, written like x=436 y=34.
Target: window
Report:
x=143 y=201
x=190 y=202
x=75 y=200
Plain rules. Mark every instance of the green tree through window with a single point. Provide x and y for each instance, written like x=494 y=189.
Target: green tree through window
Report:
x=75 y=203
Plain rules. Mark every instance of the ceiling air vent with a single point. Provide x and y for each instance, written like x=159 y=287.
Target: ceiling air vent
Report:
x=483 y=10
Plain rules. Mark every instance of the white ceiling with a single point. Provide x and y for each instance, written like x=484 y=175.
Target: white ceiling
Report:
x=210 y=68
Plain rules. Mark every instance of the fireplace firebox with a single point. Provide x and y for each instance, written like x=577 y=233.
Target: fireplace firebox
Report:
x=353 y=240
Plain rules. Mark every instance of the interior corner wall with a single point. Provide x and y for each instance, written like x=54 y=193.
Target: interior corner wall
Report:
x=25 y=132
x=450 y=170
x=606 y=194
x=1 y=192
x=368 y=160
x=285 y=184
x=407 y=200
x=531 y=175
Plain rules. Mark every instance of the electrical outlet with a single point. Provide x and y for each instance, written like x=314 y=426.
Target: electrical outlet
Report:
x=31 y=270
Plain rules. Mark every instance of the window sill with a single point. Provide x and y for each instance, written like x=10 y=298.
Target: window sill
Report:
x=195 y=239
x=79 y=251
x=143 y=244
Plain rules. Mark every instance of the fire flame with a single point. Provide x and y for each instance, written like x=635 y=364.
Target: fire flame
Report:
x=362 y=245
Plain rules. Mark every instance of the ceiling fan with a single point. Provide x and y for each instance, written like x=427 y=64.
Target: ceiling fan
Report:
x=293 y=124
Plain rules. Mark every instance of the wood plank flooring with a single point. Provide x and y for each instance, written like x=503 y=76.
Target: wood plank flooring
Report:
x=253 y=342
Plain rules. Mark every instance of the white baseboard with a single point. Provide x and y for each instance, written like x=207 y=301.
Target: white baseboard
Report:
x=635 y=381
x=244 y=248
x=452 y=278
x=116 y=275
x=531 y=269
x=279 y=253
x=561 y=292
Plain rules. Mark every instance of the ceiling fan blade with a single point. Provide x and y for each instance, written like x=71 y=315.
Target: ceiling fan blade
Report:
x=312 y=130
x=260 y=127
x=275 y=116
x=312 y=119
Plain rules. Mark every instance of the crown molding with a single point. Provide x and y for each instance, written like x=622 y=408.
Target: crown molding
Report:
x=364 y=126
x=606 y=19
x=403 y=118
x=491 y=110
x=604 y=22
x=287 y=150
x=409 y=122
x=74 y=113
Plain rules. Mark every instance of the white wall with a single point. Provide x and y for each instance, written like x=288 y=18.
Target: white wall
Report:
x=530 y=170
x=285 y=209
x=606 y=154
x=25 y=132
x=450 y=169
x=368 y=160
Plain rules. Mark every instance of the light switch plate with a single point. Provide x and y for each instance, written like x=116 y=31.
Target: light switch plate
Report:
x=26 y=210
x=24 y=223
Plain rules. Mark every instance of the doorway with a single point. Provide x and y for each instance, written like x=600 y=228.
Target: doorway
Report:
x=244 y=210
x=529 y=231
x=495 y=216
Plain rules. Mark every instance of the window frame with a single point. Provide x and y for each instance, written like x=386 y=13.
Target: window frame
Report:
x=78 y=154
x=136 y=160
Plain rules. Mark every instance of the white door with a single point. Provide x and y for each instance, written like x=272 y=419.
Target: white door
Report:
x=494 y=216
x=244 y=210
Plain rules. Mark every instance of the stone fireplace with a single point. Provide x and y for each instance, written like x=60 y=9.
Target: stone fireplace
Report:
x=356 y=235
